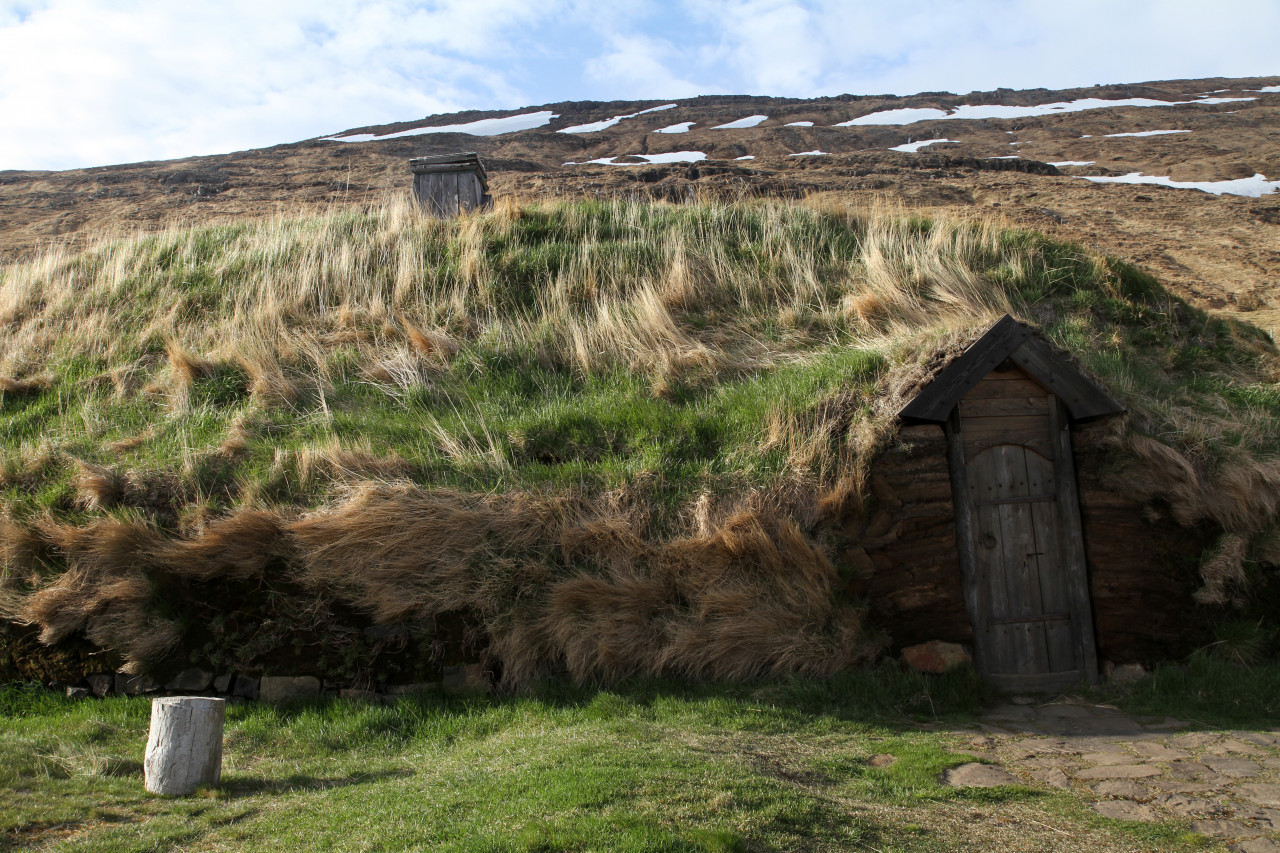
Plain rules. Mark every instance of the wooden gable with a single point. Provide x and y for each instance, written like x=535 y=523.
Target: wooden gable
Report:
x=1009 y=344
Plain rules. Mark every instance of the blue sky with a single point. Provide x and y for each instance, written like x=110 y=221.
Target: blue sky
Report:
x=89 y=82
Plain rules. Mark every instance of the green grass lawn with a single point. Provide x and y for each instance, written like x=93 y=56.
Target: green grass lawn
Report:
x=649 y=766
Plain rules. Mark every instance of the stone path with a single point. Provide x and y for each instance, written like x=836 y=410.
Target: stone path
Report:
x=1227 y=783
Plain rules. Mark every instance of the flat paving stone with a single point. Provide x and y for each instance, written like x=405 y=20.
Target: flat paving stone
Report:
x=1262 y=794
x=1142 y=769
x=1236 y=768
x=1051 y=745
x=1047 y=762
x=1053 y=777
x=1122 y=771
x=1167 y=724
x=1179 y=786
x=1221 y=828
x=1187 y=769
x=1104 y=727
x=1020 y=713
x=1265 y=817
x=1126 y=810
x=1159 y=751
x=1091 y=745
x=1107 y=758
x=978 y=776
x=1184 y=806
x=1126 y=788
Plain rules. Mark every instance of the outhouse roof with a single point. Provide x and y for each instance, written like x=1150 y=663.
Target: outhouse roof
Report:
x=462 y=161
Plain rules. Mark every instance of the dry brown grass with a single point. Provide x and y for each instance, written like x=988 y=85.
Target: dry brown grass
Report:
x=27 y=385
x=550 y=580
x=105 y=594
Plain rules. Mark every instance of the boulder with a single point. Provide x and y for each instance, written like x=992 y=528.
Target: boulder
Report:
x=356 y=694
x=222 y=683
x=192 y=680
x=1124 y=673
x=283 y=689
x=100 y=683
x=936 y=656
x=245 y=687
x=471 y=678
x=77 y=692
x=135 y=685
x=977 y=776
x=410 y=689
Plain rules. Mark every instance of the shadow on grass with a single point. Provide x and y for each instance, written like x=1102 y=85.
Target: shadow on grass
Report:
x=886 y=696
x=247 y=786
x=40 y=833
x=1208 y=692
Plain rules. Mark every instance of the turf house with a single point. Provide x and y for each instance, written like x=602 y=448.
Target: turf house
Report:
x=608 y=439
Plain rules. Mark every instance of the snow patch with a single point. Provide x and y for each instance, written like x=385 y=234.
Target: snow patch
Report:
x=913 y=147
x=482 y=127
x=596 y=126
x=1267 y=90
x=1147 y=133
x=682 y=127
x=1253 y=187
x=746 y=157
x=906 y=115
x=670 y=157
x=1005 y=157
x=749 y=121
x=814 y=153
x=985 y=111
x=1062 y=163
x=799 y=124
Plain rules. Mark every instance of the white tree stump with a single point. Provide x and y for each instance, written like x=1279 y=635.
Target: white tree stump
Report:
x=184 y=748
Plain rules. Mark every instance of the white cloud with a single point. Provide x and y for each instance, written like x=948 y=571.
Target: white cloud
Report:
x=90 y=83
x=803 y=48
x=637 y=66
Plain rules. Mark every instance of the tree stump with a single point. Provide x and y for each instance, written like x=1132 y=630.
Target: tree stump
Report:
x=184 y=748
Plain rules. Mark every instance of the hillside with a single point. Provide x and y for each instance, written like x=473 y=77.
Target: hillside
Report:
x=614 y=437
x=1218 y=251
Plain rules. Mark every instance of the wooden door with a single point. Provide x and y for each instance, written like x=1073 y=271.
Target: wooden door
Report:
x=1018 y=525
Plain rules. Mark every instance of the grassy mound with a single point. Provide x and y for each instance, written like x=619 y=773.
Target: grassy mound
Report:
x=610 y=437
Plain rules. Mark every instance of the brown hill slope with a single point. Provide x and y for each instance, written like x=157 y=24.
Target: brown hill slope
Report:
x=1221 y=251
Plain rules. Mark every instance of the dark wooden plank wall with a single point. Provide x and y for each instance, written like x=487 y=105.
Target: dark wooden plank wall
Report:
x=1142 y=565
x=446 y=193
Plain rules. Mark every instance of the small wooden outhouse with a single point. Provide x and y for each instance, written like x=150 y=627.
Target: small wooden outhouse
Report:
x=447 y=184
x=1006 y=406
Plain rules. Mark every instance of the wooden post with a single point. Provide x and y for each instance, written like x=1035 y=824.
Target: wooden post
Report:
x=965 y=546
x=184 y=748
x=1075 y=561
